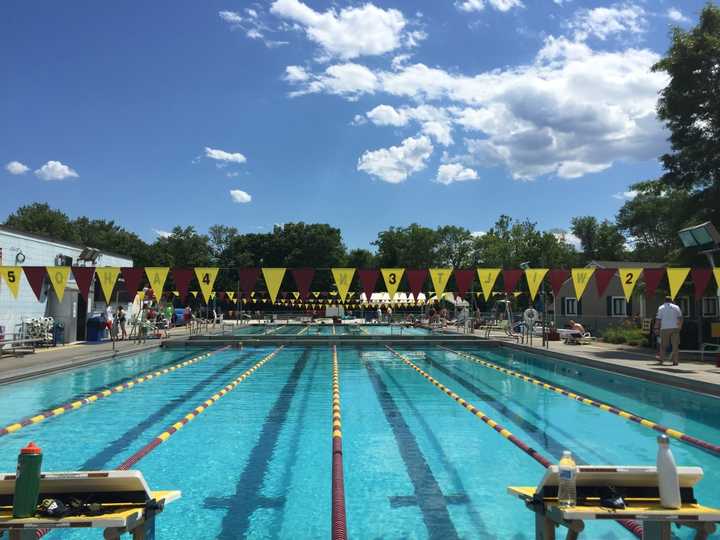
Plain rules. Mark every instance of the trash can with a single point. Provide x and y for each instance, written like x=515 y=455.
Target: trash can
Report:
x=58 y=333
x=95 y=329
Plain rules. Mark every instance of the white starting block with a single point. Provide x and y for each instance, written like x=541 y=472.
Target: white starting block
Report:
x=639 y=488
x=127 y=503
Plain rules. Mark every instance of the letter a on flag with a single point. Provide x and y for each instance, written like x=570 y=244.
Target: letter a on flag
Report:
x=676 y=278
x=156 y=276
x=273 y=280
x=107 y=275
x=628 y=279
x=206 y=278
x=58 y=277
x=534 y=278
x=11 y=275
x=581 y=278
x=440 y=277
x=392 y=277
x=487 y=277
x=343 y=278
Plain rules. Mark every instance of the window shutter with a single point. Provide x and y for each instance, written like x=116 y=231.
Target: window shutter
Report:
x=608 y=303
x=562 y=305
x=579 y=307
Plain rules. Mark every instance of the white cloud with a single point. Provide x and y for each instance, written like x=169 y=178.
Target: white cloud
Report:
x=479 y=5
x=478 y=234
x=161 y=233
x=232 y=174
x=296 y=74
x=349 y=80
x=15 y=167
x=454 y=172
x=223 y=156
x=240 y=196
x=254 y=25
x=434 y=121
x=349 y=33
x=385 y=115
x=675 y=15
x=625 y=195
x=55 y=170
x=603 y=22
x=396 y=163
x=568 y=238
x=231 y=17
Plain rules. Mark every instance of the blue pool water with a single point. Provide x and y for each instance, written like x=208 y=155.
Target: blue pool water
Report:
x=257 y=463
x=330 y=330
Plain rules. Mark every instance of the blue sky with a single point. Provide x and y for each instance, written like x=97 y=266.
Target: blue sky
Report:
x=361 y=115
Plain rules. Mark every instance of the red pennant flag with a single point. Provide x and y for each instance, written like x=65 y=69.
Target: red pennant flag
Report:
x=303 y=279
x=133 y=278
x=463 y=281
x=701 y=278
x=557 y=278
x=602 y=279
x=511 y=278
x=368 y=280
x=84 y=277
x=221 y=295
x=652 y=277
x=182 y=278
x=248 y=278
x=35 y=276
x=416 y=279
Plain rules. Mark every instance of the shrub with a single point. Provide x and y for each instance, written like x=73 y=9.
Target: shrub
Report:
x=631 y=335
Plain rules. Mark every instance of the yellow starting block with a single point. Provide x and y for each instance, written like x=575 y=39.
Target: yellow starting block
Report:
x=639 y=488
x=127 y=503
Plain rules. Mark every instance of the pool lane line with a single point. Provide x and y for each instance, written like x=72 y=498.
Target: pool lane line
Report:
x=305 y=329
x=177 y=426
x=339 y=520
x=77 y=403
x=676 y=434
x=632 y=526
x=333 y=329
x=428 y=495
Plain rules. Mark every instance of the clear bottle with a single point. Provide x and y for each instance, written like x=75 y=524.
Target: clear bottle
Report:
x=567 y=493
x=668 y=481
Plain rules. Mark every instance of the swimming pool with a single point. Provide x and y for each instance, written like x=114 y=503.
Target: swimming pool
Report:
x=257 y=464
x=330 y=330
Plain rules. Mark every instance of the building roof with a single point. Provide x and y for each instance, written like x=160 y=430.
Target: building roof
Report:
x=626 y=264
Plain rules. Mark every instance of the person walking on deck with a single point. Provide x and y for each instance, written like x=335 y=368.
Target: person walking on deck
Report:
x=668 y=322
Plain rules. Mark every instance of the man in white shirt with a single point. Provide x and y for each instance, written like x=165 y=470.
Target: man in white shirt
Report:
x=668 y=321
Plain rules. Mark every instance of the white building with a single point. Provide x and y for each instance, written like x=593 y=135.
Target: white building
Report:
x=24 y=249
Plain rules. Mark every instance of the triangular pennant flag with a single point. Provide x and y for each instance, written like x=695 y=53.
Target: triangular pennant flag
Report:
x=652 y=277
x=602 y=279
x=701 y=278
x=182 y=278
x=35 y=276
x=368 y=279
x=273 y=280
x=534 y=277
x=156 y=276
x=206 y=279
x=392 y=277
x=628 y=279
x=221 y=295
x=557 y=278
x=84 y=277
x=248 y=278
x=316 y=294
x=59 y=276
x=510 y=279
x=716 y=271
x=303 y=279
x=133 y=279
x=463 y=281
x=107 y=276
x=439 y=278
x=581 y=278
x=416 y=279
x=296 y=294
x=230 y=295
x=676 y=278
x=343 y=278
x=194 y=293
x=487 y=277
x=212 y=295
x=11 y=275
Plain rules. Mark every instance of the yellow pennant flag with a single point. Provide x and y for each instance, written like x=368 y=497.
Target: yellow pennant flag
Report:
x=11 y=274
x=392 y=277
x=676 y=278
x=273 y=280
x=628 y=279
x=296 y=294
x=581 y=278
x=156 y=276
x=230 y=295
x=107 y=275
x=487 y=277
x=534 y=278
x=58 y=277
x=716 y=271
x=343 y=278
x=206 y=279
x=194 y=293
x=440 y=277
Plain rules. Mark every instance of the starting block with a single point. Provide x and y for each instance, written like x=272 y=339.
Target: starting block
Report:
x=639 y=488
x=126 y=504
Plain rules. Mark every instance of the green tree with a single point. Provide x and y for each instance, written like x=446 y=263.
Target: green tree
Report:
x=108 y=236
x=599 y=240
x=413 y=246
x=184 y=247
x=360 y=258
x=454 y=246
x=39 y=218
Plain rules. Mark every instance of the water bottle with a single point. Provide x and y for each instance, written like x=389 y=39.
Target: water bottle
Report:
x=668 y=482
x=567 y=494
x=27 y=481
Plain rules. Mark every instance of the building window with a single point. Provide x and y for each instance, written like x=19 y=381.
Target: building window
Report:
x=619 y=306
x=683 y=302
x=570 y=306
x=710 y=306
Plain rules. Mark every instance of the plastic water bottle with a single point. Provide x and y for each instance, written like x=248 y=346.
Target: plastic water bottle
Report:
x=27 y=481
x=668 y=482
x=567 y=494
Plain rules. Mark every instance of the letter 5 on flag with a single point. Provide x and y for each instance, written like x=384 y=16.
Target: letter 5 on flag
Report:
x=440 y=277
x=676 y=278
x=392 y=277
x=58 y=278
x=534 y=278
x=107 y=275
x=206 y=279
x=343 y=278
x=581 y=278
x=487 y=277
x=273 y=280
x=628 y=279
x=156 y=276
x=11 y=275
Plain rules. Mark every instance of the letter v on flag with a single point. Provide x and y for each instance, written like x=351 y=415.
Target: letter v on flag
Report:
x=534 y=278
x=206 y=279
x=107 y=276
x=343 y=278
x=11 y=275
x=58 y=278
x=487 y=277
